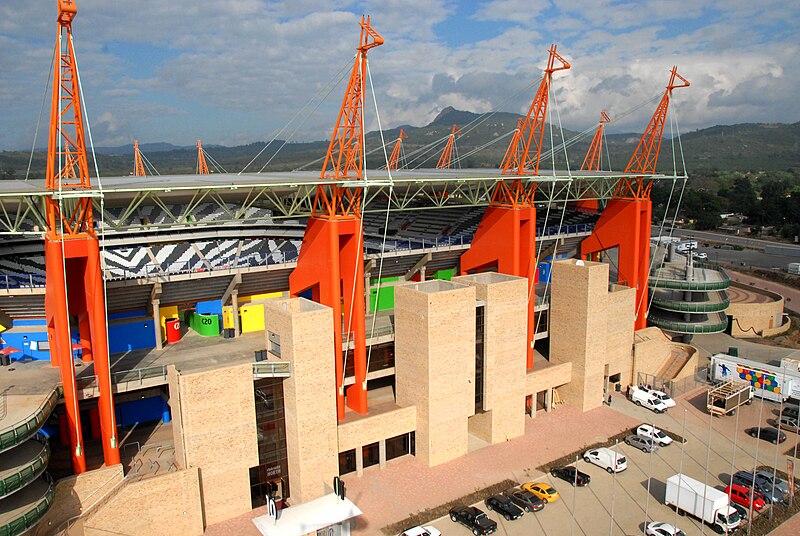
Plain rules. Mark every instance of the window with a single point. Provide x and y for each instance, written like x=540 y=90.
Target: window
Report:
x=347 y=462
x=479 y=325
x=371 y=454
x=400 y=446
x=273 y=469
x=274 y=344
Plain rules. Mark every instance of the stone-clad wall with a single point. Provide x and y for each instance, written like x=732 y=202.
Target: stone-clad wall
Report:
x=435 y=364
x=217 y=431
x=305 y=329
x=505 y=333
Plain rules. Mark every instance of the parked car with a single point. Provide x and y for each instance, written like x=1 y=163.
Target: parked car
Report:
x=526 y=500
x=742 y=512
x=700 y=255
x=649 y=398
x=741 y=495
x=767 y=433
x=769 y=479
x=473 y=518
x=642 y=443
x=422 y=531
x=791 y=410
x=764 y=487
x=657 y=528
x=651 y=432
x=790 y=423
x=606 y=458
x=568 y=473
x=543 y=490
x=504 y=507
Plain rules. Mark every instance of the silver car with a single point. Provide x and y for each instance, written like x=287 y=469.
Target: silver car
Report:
x=642 y=443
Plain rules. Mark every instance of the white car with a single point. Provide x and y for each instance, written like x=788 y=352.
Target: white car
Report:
x=611 y=461
x=657 y=528
x=651 y=432
x=422 y=531
x=662 y=396
x=642 y=396
x=701 y=256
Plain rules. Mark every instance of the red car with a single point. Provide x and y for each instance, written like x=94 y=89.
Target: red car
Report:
x=741 y=495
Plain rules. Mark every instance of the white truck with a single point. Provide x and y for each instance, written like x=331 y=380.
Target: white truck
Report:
x=689 y=496
x=657 y=401
x=776 y=383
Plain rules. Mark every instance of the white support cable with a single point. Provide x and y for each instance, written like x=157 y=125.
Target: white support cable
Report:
x=114 y=439
x=675 y=131
x=41 y=112
x=385 y=224
x=332 y=82
x=547 y=215
x=149 y=165
x=214 y=162
x=419 y=152
x=360 y=243
x=482 y=147
x=68 y=350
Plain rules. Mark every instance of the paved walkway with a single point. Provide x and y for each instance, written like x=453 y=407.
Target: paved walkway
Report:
x=406 y=486
x=791 y=295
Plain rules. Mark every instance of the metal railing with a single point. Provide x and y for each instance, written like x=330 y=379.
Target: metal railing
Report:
x=673 y=388
x=30 y=472
x=14 y=435
x=691 y=307
x=32 y=515
x=690 y=327
x=272 y=369
x=22 y=281
x=127 y=376
x=64 y=527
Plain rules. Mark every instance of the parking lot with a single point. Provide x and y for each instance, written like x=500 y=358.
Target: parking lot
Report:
x=622 y=504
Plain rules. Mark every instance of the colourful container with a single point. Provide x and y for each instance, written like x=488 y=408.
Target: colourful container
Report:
x=173 y=330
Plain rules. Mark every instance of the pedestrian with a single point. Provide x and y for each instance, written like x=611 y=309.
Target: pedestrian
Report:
x=609 y=400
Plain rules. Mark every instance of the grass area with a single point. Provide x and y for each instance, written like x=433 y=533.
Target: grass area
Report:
x=610 y=442
x=429 y=514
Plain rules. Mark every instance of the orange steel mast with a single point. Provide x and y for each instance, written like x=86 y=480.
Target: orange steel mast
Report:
x=446 y=160
x=625 y=223
x=138 y=162
x=394 y=158
x=591 y=162
x=506 y=237
x=74 y=277
x=331 y=262
x=202 y=166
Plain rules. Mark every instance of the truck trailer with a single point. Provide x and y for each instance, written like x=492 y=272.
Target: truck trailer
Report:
x=711 y=505
x=776 y=383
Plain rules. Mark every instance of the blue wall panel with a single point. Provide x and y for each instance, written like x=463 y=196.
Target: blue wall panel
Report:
x=544 y=267
x=30 y=322
x=141 y=411
x=213 y=307
x=131 y=336
x=127 y=314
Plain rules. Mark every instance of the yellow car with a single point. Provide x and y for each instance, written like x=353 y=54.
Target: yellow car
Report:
x=544 y=491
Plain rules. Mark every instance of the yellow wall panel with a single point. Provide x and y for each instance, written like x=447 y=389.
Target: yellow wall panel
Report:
x=252 y=317
x=170 y=311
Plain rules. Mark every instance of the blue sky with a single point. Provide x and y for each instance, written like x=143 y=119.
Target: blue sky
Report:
x=236 y=71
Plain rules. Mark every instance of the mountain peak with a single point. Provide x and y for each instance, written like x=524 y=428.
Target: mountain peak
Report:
x=450 y=115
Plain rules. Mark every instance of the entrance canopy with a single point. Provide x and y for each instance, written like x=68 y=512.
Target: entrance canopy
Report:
x=308 y=517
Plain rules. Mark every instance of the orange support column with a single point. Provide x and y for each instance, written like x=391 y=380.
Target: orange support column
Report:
x=331 y=264
x=94 y=299
x=625 y=224
x=61 y=347
x=506 y=240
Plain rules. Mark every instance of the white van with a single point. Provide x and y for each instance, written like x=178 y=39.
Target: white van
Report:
x=606 y=458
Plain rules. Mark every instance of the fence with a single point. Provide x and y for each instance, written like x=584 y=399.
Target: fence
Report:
x=127 y=376
x=674 y=388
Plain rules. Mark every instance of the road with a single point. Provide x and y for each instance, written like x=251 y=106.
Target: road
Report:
x=735 y=240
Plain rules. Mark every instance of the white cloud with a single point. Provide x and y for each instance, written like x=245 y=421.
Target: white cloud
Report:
x=237 y=71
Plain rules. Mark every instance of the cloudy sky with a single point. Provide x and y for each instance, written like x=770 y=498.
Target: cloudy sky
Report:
x=236 y=71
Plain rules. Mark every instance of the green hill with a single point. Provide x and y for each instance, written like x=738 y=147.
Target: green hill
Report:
x=743 y=147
